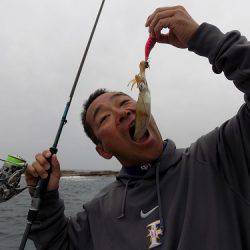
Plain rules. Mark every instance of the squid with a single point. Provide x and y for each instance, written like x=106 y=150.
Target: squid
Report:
x=143 y=104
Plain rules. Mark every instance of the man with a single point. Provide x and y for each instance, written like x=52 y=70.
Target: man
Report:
x=165 y=198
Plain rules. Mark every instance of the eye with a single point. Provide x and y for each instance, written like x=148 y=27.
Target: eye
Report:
x=124 y=102
x=103 y=119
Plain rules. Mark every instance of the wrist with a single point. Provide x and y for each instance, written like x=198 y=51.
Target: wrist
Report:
x=205 y=40
x=193 y=31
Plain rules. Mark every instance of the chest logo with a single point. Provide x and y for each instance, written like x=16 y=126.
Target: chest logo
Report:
x=145 y=215
x=154 y=233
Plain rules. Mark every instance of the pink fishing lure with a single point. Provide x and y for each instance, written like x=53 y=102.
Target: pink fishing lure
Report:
x=149 y=46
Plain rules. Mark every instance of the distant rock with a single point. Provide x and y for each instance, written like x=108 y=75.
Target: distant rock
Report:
x=88 y=173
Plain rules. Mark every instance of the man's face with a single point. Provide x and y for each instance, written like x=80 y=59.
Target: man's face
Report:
x=111 y=116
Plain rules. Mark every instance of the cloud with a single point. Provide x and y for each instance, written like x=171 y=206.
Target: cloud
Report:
x=41 y=47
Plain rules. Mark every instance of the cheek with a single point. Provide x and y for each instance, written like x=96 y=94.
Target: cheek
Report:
x=106 y=130
x=108 y=139
x=107 y=134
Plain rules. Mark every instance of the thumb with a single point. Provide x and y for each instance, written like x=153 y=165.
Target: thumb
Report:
x=55 y=164
x=55 y=167
x=55 y=174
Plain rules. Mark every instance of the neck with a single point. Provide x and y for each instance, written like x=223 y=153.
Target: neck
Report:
x=130 y=163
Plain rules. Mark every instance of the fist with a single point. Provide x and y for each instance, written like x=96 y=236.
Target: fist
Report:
x=180 y=24
x=39 y=168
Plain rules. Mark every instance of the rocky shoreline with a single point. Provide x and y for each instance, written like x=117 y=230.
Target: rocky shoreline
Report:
x=88 y=173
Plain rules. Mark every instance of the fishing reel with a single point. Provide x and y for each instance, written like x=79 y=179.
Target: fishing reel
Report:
x=10 y=176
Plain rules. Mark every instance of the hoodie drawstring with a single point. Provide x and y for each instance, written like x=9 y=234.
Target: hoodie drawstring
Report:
x=162 y=227
x=157 y=179
x=124 y=201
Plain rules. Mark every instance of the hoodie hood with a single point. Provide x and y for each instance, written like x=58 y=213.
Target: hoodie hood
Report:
x=170 y=156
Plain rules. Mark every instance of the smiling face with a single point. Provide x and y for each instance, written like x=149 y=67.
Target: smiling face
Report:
x=111 y=117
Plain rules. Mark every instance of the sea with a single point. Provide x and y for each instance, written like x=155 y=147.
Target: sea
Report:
x=74 y=190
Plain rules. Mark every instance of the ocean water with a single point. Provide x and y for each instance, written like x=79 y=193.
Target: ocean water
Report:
x=74 y=190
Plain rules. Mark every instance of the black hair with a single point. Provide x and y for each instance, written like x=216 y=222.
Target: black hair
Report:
x=87 y=128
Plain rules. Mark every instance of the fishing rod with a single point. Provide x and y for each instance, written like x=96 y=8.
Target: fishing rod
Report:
x=42 y=184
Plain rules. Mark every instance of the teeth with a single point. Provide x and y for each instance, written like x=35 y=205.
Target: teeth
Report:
x=132 y=124
x=132 y=130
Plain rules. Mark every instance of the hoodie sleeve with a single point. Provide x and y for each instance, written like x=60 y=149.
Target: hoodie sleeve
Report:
x=53 y=230
x=228 y=147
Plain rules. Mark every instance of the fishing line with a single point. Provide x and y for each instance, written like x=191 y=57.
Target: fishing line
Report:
x=43 y=183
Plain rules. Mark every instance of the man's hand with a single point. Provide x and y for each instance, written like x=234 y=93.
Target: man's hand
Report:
x=180 y=24
x=39 y=169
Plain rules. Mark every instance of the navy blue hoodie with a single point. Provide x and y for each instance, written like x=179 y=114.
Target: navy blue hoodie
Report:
x=196 y=198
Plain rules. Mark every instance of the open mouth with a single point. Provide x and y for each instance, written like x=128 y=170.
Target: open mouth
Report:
x=132 y=133
x=132 y=130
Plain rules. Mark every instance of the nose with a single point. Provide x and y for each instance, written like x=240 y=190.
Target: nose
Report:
x=122 y=115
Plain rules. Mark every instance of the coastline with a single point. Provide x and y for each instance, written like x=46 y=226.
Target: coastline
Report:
x=88 y=173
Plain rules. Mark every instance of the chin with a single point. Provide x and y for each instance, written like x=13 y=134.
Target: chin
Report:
x=155 y=150
x=150 y=150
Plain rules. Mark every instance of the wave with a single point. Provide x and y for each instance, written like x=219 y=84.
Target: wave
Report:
x=75 y=178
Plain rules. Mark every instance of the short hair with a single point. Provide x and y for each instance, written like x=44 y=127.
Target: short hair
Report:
x=87 y=128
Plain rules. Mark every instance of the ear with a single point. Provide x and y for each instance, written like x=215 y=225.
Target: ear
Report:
x=102 y=152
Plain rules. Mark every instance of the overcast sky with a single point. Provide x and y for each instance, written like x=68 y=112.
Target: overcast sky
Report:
x=42 y=43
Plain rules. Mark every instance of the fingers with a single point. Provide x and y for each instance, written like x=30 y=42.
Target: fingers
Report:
x=31 y=171
x=162 y=23
x=43 y=159
x=164 y=38
x=42 y=164
x=159 y=10
x=40 y=170
x=162 y=18
x=159 y=17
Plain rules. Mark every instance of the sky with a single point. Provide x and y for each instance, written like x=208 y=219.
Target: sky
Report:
x=42 y=43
